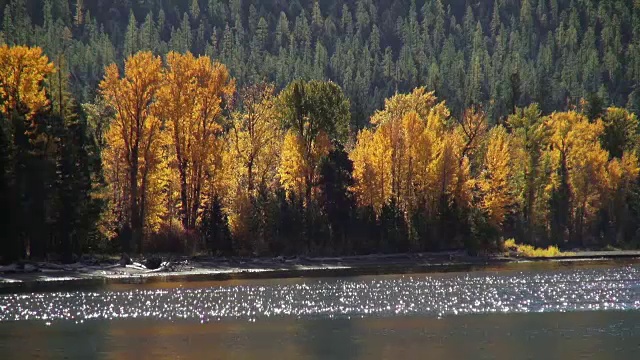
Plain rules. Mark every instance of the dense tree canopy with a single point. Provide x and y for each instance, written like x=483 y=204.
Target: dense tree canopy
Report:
x=318 y=127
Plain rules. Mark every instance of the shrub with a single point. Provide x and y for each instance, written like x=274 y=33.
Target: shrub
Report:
x=530 y=251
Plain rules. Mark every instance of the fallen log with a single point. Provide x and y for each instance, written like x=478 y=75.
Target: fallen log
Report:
x=136 y=266
x=165 y=266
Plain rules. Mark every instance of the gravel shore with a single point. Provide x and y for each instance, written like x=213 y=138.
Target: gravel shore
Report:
x=31 y=276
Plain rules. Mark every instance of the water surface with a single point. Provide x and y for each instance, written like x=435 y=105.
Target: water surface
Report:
x=540 y=312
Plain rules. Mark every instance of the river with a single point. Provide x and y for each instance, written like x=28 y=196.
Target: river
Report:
x=540 y=311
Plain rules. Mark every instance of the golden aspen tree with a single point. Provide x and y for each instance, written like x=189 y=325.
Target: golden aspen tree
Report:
x=394 y=122
x=374 y=171
x=116 y=176
x=623 y=173
x=255 y=138
x=495 y=183
x=293 y=165
x=298 y=163
x=474 y=127
x=449 y=170
x=581 y=164
x=190 y=101
x=428 y=178
x=390 y=120
x=622 y=177
x=134 y=134
x=154 y=174
x=22 y=72
x=416 y=148
x=405 y=153
x=252 y=155
x=214 y=87
x=419 y=101
x=381 y=160
x=363 y=174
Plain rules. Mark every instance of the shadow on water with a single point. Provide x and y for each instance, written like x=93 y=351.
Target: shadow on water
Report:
x=331 y=339
x=592 y=335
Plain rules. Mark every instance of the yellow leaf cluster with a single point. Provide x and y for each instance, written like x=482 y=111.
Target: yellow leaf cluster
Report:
x=292 y=170
x=575 y=147
x=494 y=183
x=419 y=101
x=132 y=158
x=252 y=154
x=22 y=72
x=189 y=102
x=412 y=156
x=296 y=170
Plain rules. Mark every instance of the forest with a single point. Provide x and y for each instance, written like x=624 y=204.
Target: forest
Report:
x=331 y=127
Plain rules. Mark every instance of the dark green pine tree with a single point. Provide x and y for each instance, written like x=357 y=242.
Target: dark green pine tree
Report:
x=131 y=41
x=215 y=229
x=336 y=200
x=9 y=237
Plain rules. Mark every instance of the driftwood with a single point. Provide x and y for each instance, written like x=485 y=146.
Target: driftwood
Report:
x=165 y=266
x=136 y=266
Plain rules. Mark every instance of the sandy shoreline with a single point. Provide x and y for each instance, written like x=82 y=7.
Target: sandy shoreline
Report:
x=44 y=276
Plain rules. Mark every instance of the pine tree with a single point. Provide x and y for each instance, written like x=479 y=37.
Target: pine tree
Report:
x=131 y=41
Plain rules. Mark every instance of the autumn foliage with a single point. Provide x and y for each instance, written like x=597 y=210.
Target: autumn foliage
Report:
x=258 y=171
x=22 y=73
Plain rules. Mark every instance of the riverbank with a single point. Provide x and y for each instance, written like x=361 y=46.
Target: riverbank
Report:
x=92 y=271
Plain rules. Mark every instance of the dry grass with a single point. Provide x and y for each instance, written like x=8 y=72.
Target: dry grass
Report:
x=530 y=251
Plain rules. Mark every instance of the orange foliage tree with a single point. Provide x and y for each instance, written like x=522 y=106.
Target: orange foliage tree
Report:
x=191 y=103
x=22 y=72
x=134 y=135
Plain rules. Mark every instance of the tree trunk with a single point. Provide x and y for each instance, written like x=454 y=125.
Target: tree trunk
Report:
x=183 y=195
x=136 y=222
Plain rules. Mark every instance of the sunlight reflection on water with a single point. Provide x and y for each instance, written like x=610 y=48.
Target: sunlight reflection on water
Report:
x=434 y=295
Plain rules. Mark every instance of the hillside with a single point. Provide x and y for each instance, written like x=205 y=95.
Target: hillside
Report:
x=499 y=54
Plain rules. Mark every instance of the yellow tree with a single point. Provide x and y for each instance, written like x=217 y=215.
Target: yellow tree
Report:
x=622 y=177
x=416 y=149
x=474 y=128
x=581 y=165
x=22 y=72
x=190 y=102
x=495 y=179
x=419 y=101
x=255 y=138
x=410 y=156
x=436 y=161
x=401 y=133
x=416 y=158
x=451 y=172
x=22 y=95
x=252 y=155
x=293 y=170
x=116 y=175
x=134 y=134
x=371 y=169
